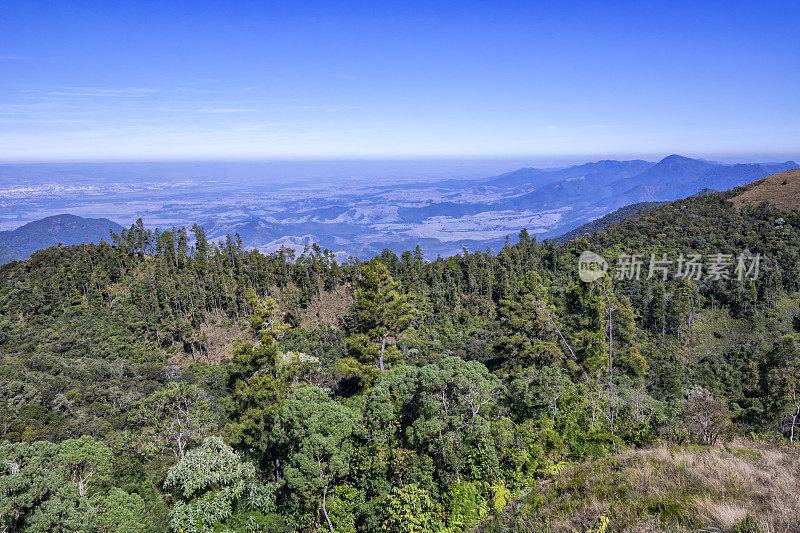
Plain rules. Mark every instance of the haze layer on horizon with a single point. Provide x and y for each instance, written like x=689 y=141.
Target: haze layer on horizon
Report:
x=205 y=80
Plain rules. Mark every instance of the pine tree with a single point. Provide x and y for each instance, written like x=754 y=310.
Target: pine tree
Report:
x=381 y=310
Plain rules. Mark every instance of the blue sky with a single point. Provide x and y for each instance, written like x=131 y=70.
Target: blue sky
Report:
x=190 y=80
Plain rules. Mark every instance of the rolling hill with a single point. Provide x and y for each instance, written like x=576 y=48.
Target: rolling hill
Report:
x=50 y=231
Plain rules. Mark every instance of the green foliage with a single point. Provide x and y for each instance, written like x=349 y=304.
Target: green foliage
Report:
x=48 y=487
x=344 y=507
x=749 y=524
x=526 y=321
x=605 y=328
x=381 y=312
x=400 y=393
x=211 y=483
x=316 y=437
x=466 y=505
x=411 y=509
x=38 y=494
x=442 y=410
x=87 y=460
x=122 y=512
x=265 y=321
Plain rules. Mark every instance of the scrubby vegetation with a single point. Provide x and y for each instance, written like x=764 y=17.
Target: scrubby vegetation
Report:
x=161 y=381
x=741 y=487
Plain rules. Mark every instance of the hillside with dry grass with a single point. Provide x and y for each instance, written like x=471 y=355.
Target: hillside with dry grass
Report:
x=739 y=487
x=781 y=190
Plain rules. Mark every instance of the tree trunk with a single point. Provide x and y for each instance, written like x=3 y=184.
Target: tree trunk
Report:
x=610 y=334
x=610 y=347
x=383 y=349
x=325 y=509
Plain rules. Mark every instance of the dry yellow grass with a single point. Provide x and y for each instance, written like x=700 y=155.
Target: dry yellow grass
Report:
x=781 y=190
x=328 y=310
x=741 y=487
x=221 y=335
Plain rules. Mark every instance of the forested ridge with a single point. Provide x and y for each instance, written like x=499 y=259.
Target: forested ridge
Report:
x=402 y=394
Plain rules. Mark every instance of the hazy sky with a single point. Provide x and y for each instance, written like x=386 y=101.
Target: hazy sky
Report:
x=159 y=80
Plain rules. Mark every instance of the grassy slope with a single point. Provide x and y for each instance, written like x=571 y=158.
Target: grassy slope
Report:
x=737 y=487
x=781 y=190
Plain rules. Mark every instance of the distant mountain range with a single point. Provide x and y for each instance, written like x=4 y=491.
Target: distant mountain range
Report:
x=595 y=189
x=59 y=229
x=781 y=190
x=599 y=172
x=442 y=217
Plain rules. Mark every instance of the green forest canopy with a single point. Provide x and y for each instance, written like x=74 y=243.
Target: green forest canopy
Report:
x=400 y=393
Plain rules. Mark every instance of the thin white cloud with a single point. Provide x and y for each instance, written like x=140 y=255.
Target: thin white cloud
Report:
x=12 y=57
x=328 y=108
x=42 y=121
x=258 y=127
x=124 y=92
x=226 y=110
